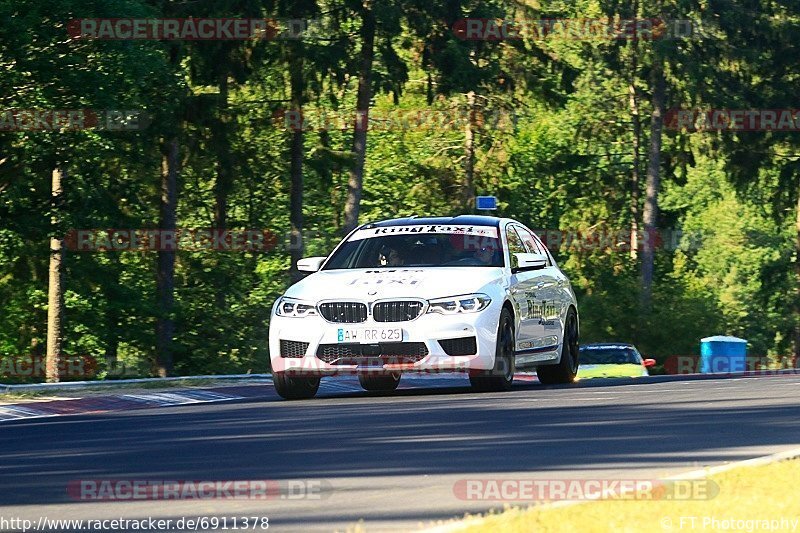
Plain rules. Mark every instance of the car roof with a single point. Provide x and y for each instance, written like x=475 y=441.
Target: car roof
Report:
x=472 y=220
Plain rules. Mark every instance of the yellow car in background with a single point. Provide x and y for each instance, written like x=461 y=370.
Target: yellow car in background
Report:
x=612 y=360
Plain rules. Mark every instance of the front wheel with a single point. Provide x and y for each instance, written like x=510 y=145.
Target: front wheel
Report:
x=501 y=377
x=567 y=368
x=295 y=387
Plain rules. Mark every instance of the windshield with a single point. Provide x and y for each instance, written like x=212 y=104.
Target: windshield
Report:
x=609 y=356
x=419 y=246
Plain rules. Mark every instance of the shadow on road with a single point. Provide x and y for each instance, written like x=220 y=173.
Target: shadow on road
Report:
x=432 y=431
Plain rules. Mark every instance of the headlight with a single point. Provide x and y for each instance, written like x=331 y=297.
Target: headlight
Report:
x=294 y=308
x=468 y=303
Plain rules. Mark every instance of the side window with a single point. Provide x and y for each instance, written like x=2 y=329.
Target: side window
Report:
x=530 y=243
x=550 y=260
x=515 y=245
x=533 y=244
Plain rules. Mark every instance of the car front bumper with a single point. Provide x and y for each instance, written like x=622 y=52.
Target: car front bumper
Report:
x=323 y=337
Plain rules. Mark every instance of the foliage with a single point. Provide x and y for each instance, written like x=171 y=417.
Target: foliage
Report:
x=554 y=144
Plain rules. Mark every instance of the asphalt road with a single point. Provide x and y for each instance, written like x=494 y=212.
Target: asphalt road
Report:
x=393 y=460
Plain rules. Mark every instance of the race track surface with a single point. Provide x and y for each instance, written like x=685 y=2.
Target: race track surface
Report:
x=393 y=460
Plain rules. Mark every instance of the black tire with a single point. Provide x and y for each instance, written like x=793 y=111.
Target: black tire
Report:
x=501 y=377
x=380 y=382
x=295 y=387
x=565 y=371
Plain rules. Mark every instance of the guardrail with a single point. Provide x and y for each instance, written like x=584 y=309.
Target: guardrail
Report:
x=77 y=385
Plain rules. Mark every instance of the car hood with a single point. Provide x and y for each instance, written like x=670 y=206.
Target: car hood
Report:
x=611 y=371
x=375 y=284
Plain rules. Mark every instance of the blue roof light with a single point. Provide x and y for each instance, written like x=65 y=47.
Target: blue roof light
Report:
x=486 y=202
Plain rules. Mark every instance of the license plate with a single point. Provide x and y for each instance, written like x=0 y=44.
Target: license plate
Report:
x=369 y=335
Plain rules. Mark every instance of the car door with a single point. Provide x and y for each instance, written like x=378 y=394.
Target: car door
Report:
x=546 y=295
x=523 y=287
x=564 y=295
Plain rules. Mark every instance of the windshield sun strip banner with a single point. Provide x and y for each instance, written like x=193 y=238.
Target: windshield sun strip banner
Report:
x=426 y=229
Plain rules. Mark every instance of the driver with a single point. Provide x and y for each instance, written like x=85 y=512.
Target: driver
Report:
x=484 y=254
x=389 y=256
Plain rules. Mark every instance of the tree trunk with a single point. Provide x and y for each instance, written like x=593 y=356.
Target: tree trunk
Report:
x=222 y=186
x=224 y=182
x=429 y=89
x=112 y=296
x=112 y=344
x=55 y=293
x=297 y=83
x=363 y=97
x=165 y=278
x=468 y=187
x=637 y=137
x=650 y=217
x=797 y=289
x=636 y=126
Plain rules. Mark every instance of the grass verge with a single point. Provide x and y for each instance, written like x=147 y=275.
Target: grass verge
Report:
x=751 y=499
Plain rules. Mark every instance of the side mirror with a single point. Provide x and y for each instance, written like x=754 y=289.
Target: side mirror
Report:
x=526 y=261
x=649 y=362
x=310 y=264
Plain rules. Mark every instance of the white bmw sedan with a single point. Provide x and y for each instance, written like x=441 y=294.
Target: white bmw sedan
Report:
x=472 y=294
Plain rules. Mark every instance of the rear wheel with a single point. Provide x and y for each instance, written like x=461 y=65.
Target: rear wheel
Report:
x=501 y=377
x=380 y=382
x=295 y=387
x=567 y=368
